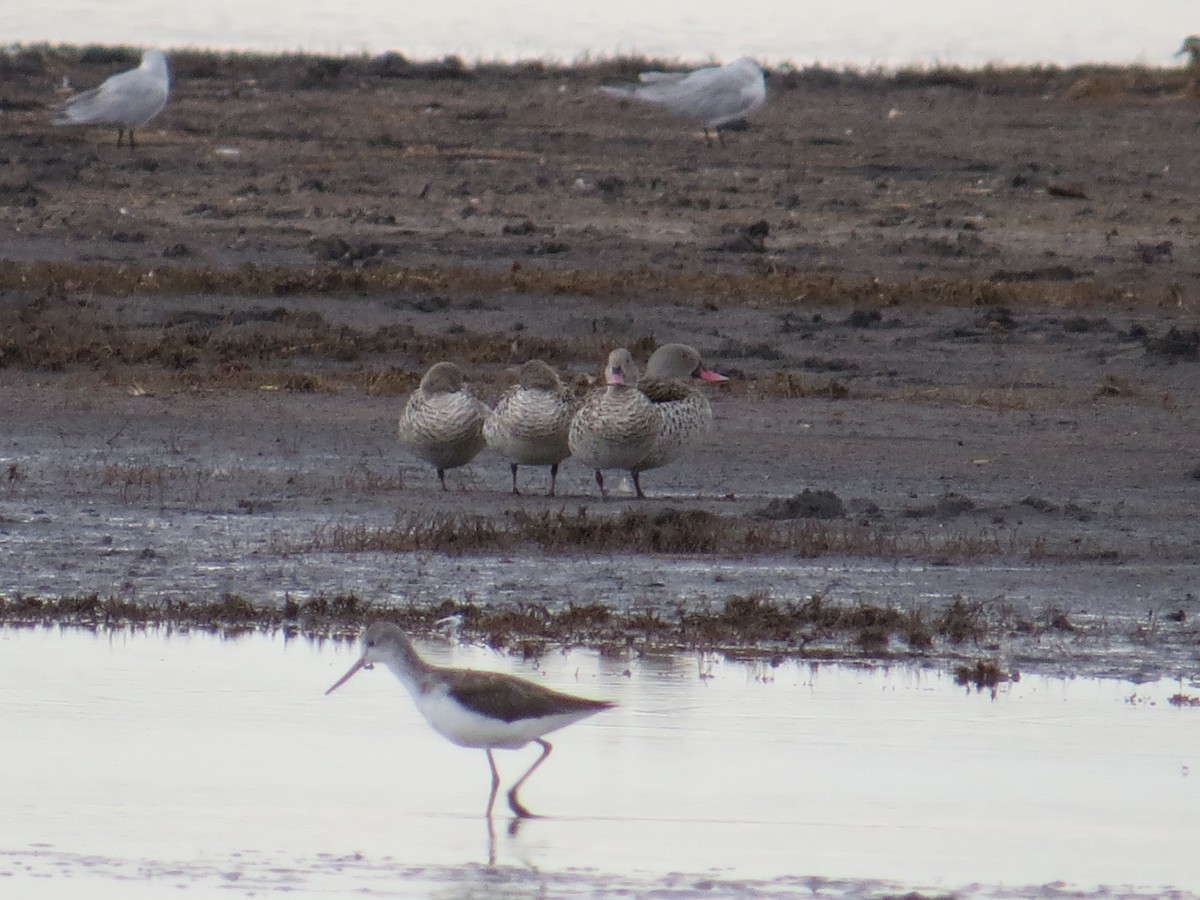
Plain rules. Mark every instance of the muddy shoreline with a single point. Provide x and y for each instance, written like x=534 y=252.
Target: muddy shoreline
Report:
x=970 y=318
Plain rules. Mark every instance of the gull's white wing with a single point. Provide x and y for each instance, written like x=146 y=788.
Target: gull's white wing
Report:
x=713 y=95
x=129 y=99
x=661 y=77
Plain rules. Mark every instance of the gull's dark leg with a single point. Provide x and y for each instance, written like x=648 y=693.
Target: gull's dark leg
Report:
x=132 y=145
x=495 y=783
x=553 y=477
x=513 y=803
x=600 y=481
x=442 y=479
x=514 y=474
x=120 y=136
x=637 y=483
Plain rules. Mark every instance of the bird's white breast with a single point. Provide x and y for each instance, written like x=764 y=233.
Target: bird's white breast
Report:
x=470 y=729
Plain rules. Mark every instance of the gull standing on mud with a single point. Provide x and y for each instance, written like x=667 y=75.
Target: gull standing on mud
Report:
x=714 y=96
x=684 y=410
x=1191 y=49
x=617 y=425
x=530 y=423
x=485 y=710
x=128 y=100
x=443 y=421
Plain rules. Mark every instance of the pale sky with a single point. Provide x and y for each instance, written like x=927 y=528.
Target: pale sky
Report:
x=851 y=32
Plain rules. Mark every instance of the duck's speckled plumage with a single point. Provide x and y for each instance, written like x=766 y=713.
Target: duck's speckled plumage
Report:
x=531 y=422
x=443 y=421
x=685 y=414
x=616 y=425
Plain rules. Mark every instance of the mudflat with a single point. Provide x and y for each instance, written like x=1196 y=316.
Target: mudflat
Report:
x=958 y=311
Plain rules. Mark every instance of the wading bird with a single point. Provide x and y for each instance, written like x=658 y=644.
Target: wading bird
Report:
x=486 y=710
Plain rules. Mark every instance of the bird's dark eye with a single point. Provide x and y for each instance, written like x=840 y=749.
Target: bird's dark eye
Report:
x=370 y=643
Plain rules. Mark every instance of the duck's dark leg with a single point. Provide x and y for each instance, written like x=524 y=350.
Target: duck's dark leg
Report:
x=513 y=803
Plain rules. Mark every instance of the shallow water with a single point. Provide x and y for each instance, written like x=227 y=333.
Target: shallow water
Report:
x=141 y=761
x=947 y=31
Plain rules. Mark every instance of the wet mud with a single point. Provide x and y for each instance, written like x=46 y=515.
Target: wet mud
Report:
x=958 y=311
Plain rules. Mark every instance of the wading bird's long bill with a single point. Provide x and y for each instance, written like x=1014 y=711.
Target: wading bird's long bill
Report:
x=353 y=669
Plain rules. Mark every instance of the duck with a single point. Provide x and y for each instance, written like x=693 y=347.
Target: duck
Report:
x=128 y=99
x=684 y=412
x=531 y=421
x=443 y=421
x=616 y=425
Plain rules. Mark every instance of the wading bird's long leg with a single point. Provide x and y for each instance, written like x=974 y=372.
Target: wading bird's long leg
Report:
x=492 y=842
x=513 y=803
x=495 y=783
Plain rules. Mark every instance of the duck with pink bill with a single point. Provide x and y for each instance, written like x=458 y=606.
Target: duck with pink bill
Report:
x=685 y=415
x=617 y=425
